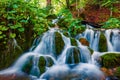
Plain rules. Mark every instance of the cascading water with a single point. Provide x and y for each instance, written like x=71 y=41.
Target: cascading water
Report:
x=59 y=60
x=93 y=37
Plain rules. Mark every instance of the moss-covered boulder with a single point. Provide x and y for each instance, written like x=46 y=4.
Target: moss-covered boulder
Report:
x=102 y=43
x=42 y=64
x=73 y=55
x=110 y=60
x=73 y=42
x=84 y=42
x=59 y=43
x=44 y=61
x=28 y=65
x=117 y=72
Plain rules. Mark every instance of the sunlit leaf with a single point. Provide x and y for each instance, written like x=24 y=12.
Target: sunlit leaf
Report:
x=21 y=29
x=12 y=35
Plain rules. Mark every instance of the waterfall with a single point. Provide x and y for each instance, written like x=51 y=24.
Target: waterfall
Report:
x=108 y=37
x=85 y=53
x=62 y=57
x=93 y=38
x=49 y=58
x=116 y=39
x=46 y=46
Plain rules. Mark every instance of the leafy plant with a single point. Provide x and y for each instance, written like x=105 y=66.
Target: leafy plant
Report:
x=112 y=23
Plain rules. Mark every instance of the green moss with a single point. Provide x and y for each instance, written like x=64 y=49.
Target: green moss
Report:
x=91 y=50
x=59 y=43
x=42 y=69
x=110 y=60
x=66 y=34
x=83 y=41
x=102 y=43
x=73 y=42
x=117 y=73
x=73 y=55
x=28 y=65
x=42 y=64
x=42 y=61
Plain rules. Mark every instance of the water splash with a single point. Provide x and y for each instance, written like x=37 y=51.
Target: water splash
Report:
x=81 y=71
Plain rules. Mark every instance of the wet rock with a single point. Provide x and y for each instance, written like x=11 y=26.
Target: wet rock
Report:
x=42 y=64
x=102 y=43
x=44 y=61
x=84 y=42
x=59 y=43
x=73 y=42
x=110 y=60
x=73 y=55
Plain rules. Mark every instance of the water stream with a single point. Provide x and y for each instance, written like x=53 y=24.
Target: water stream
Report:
x=73 y=62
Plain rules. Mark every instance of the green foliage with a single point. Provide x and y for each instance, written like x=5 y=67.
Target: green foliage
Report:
x=19 y=15
x=71 y=24
x=108 y=3
x=76 y=27
x=112 y=23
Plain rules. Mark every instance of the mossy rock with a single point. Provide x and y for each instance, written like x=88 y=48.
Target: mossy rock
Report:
x=91 y=50
x=44 y=61
x=84 y=42
x=110 y=60
x=28 y=65
x=66 y=34
x=59 y=43
x=73 y=55
x=73 y=42
x=102 y=43
x=42 y=69
x=42 y=64
x=117 y=73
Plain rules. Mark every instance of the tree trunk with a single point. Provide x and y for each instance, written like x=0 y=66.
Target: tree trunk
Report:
x=68 y=4
x=48 y=2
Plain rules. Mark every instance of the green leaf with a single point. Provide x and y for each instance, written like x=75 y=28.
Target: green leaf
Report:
x=21 y=29
x=10 y=17
x=12 y=27
x=3 y=28
x=12 y=35
x=0 y=32
x=13 y=11
x=24 y=21
x=1 y=37
x=15 y=6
